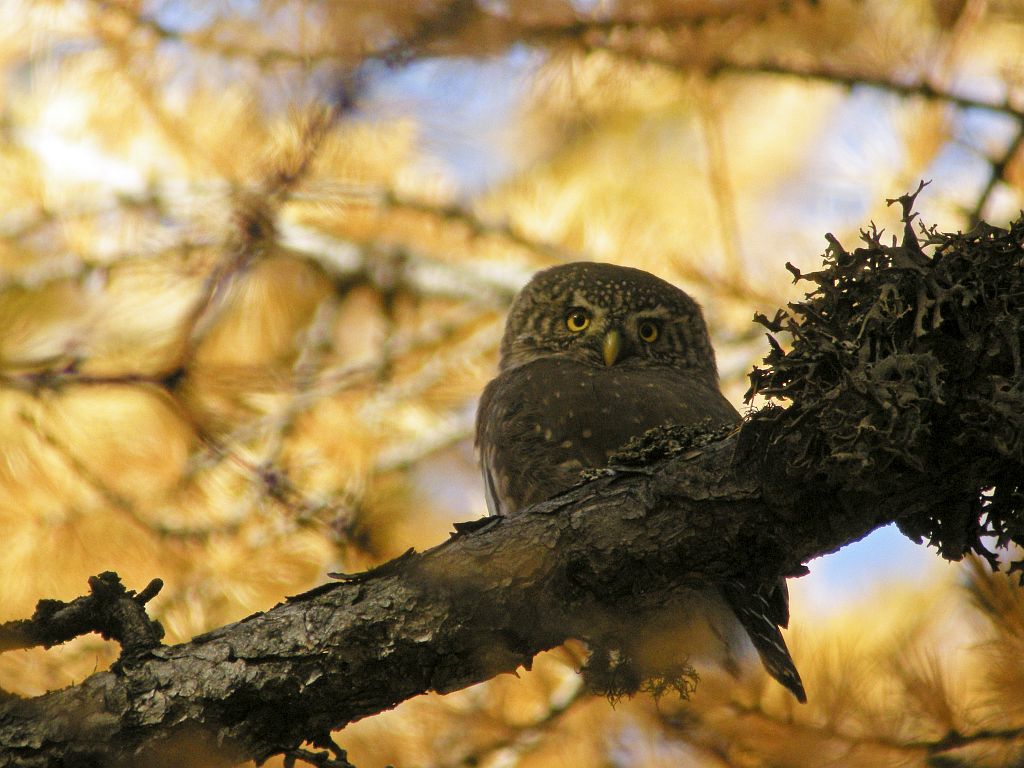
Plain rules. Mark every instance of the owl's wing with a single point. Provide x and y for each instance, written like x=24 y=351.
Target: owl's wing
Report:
x=493 y=507
x=485 y=443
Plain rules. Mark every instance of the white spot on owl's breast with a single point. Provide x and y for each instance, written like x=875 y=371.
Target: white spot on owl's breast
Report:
x=572 y=464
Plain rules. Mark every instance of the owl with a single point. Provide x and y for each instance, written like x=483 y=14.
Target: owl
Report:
x=592 y=356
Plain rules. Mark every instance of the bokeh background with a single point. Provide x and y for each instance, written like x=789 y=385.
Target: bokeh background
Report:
x=254 y=264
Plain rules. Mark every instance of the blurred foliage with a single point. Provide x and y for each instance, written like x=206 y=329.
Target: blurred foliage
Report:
x=254 y=259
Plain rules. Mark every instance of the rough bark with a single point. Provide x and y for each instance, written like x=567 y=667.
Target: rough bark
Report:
x=907 y=404
x=481 y=604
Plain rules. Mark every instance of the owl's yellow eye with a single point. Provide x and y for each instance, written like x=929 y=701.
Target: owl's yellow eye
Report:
x=577 y=320
x=648 y=331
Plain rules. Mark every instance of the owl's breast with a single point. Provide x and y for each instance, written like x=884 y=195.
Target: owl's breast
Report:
x=540 y=424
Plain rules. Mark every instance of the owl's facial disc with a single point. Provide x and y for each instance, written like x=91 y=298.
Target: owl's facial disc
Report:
x=602 y=315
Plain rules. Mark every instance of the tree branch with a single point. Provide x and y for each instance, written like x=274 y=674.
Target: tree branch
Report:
x=111 y=610
x=588 y=565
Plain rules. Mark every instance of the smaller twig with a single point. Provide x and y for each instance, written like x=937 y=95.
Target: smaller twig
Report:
x=921 y=88
x=951 y=740
x=446 y=22
x=111 y=610
x=478 y=226
x=319 y=759
x=998 y=172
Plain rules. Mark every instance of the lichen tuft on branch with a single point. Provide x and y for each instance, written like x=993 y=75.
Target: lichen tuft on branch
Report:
x=903 y=358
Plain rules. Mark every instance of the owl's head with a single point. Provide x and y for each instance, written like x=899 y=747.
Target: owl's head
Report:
x=606 y=315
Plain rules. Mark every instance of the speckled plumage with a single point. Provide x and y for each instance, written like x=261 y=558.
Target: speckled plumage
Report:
x=567 y=398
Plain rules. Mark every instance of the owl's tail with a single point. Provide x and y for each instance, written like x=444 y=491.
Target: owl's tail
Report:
x=762 y=610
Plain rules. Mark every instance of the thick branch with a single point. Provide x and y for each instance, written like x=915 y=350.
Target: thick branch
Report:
x=478 y=605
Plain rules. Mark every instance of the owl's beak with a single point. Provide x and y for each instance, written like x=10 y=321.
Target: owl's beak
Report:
x=612 y=346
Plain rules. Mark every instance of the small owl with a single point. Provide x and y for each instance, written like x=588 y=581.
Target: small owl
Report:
x=593 y=355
